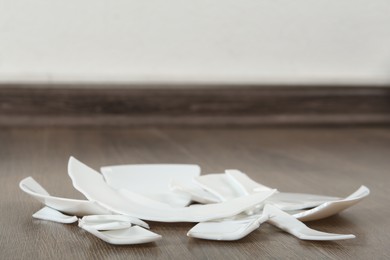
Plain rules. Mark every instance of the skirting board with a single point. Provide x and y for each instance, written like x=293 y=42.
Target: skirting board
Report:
x=77 y=105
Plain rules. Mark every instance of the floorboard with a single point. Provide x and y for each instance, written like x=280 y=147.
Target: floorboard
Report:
x=321 y=160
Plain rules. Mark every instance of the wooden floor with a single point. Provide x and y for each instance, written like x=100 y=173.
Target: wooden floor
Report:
x=329 y=161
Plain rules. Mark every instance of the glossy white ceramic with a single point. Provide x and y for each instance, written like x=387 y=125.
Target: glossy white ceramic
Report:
x=219 y=185
x=156 y=177
x=50 y=214
x=325 y=206
x=238 y=228
x=111 y=221
x=295 y=227
x=229 y=185
x=125 y=236
x=197 y=193
x=227 y=230
x=289 y=201
x=69 y=206
x=243 y=184
x=331 y=208
x=92 y=185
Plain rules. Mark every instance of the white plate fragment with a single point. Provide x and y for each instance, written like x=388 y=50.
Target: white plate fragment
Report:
x=92 y=185
x=106 y=221
x=226 y=230
x=331 y=208
x=295 y=227
x=126 y=236
x=152 y=180
x=239 y=228
x=65 y=205
x=50 y=214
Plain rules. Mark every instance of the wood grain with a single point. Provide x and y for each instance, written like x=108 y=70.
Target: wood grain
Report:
x=224 y=105
x=331 y=161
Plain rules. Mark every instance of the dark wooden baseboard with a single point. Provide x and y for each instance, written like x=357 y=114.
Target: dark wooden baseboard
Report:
x=230 y=105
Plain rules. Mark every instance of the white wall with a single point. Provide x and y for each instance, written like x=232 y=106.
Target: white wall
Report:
x=252 y=41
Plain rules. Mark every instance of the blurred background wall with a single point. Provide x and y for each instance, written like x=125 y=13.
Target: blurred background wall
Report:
x=218 y=41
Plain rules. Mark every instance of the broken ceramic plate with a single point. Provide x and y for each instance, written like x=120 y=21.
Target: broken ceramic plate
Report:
x=50 y=214
x=111 y=225
x=141 y=199
x=125 y=236
x=243 y=184
x=118 y=229
x=225 y=187
x=295 y=227
x=196 y=193
x=219 y=185
x=285 y=201
x=226 y=230
x=229 y=185
x=325 y=206
x=297 y=201
x=156 y=177
x=238 y=228
x=92 y=185
x=68 y=206
x=109 y=222
x=331 y=208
